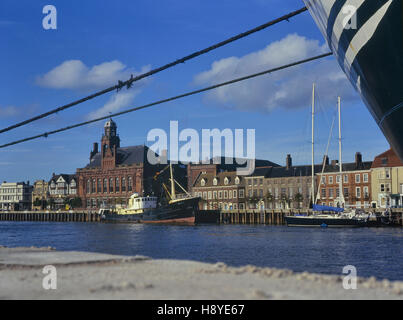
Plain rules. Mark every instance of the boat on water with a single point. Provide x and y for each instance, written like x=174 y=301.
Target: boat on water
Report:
x=178 y=210
x=327 y=216
x=366 y=37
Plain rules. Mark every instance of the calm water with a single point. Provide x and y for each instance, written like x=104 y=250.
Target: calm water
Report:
x=374 y=252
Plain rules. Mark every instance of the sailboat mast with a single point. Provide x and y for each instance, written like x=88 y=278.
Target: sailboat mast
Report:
x=341 y=196
x=173 y=195
x=313 y=145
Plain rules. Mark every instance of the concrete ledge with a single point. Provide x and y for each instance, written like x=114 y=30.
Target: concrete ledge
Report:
x=82 y=275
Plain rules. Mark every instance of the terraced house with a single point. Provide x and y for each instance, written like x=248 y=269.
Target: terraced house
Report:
x=62 y=188
x=224 y=190
x=355 y=184
x=387 y=180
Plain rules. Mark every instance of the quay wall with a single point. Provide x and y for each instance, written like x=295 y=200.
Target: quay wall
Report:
x=266 y=217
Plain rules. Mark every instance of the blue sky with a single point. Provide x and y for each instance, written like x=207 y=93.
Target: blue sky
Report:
x=98 y=42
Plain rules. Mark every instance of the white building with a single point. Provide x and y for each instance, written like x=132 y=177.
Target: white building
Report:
x=15 y=196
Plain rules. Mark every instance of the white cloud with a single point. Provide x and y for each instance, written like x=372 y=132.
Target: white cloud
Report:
x=9 y=112
x=74 y=74
x=115 y=103
x=290 y=88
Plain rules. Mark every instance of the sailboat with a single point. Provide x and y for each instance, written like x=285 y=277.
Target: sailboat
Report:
x=339 y=218
x=178 y=210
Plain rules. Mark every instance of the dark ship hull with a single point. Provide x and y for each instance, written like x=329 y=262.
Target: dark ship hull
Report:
x=181 y=211
x=371 y=55
x=312 y=221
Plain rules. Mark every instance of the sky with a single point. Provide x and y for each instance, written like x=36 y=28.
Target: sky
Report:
x=97 y=43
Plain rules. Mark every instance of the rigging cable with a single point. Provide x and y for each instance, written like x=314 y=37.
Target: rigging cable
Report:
x=46 y=134
x=129 y=82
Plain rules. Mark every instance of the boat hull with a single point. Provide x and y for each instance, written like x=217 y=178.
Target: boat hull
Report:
x=180 y=212
x=309 y=221
x=370 y=54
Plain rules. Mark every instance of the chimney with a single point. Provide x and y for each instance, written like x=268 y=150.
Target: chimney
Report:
x=358 y=159
x=326 y=160
x=288 y=162
x=94 y=150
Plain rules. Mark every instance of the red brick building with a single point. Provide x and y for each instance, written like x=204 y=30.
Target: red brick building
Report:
x=356 y=184
x=115 y=173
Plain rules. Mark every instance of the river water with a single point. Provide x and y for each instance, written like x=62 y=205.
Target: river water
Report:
x=374 y=252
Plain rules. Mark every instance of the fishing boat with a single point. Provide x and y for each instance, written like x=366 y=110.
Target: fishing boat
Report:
x=322 y=215
x=178 y=210
x=366 y=39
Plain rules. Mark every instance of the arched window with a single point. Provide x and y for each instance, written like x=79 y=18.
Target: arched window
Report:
x=123 y=184
x=99 y=189
x=130 y=184
x=117 y=185
x=105 y=185
x=93 y=185
x=88 y=186
x=226 y=181
x=111 y=185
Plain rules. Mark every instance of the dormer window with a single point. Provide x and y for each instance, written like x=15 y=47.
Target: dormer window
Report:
x=237 y=180
x=226 y=181
x=203 y=182
x=215 y=181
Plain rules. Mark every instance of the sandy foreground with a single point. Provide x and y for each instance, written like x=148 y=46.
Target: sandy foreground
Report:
x=83 y=275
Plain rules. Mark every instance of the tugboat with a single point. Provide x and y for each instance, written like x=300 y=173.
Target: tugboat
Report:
x=178 y=210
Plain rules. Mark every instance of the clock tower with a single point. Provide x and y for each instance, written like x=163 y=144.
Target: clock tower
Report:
x=110 y=143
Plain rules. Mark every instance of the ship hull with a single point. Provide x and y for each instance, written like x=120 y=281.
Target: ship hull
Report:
x=180 y=212
x=370 y=54
x=309 y=221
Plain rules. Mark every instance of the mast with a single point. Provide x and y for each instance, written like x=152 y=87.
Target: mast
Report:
x=173 y=195
x=313 y=145
x=341 y=196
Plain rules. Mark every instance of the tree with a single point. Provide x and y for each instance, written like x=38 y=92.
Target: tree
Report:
x=76 y=202
x=298 y=198
x=270 y=198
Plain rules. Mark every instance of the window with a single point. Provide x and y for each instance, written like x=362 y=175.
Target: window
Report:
x=323 y=180
x=234 y=194
x=110 y=185
x=261 y=181
x=214 y=194
x=225 y=194
x=237 y=180
x=205 y=195
x=260 y=193
x=387 y=173
x=117 y=185
x=255 y=182
x=203 y=182
x=88 y=186
x=226 y=181
x=249 y=182
x=241 y=193
x=323 y=194
x=123 y=184
x=249 y=193
x=215 y=181
x=338 y=178
x=93 y=186
x=99 y=189
x=209 y=195
x=365 y=177
x=331 y=180
x=129 y=184
x=366 y=193
x=345 y=191
x=105 y=185
x=230 y=194
x=219 y=194
x=331 y=193
x=345 y=178
x=358 y=192
x=357 y=178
